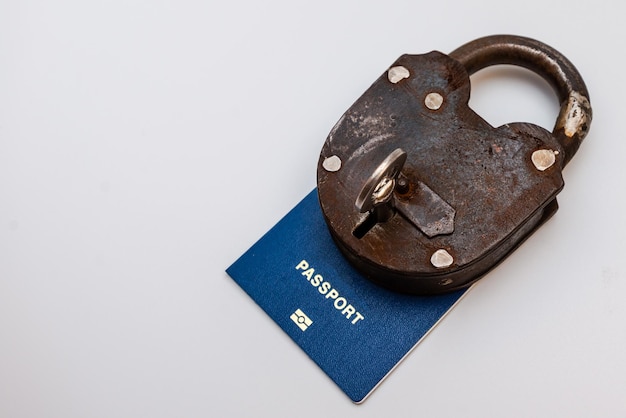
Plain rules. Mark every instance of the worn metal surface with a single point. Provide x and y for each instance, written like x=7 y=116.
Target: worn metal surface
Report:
x=575 y=116
x=481 y=180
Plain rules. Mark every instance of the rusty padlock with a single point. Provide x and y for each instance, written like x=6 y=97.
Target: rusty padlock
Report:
x=420 y=193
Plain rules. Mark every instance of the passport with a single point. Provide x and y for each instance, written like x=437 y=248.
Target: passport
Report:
x=354 y=330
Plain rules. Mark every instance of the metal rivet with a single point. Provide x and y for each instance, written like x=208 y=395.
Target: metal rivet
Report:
x=433 y=101
x=332 y=163
x=402 y=185
x=395 y=74
x=544 y=159
x=441 y=259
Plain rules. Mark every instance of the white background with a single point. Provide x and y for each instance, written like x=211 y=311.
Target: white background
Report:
x=144 y=145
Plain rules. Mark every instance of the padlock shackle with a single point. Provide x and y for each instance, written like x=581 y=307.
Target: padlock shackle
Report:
x=575 y=115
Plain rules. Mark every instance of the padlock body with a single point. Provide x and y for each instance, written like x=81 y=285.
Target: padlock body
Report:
x=485 y=174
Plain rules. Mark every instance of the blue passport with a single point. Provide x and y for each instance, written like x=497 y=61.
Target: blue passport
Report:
x=356 y=331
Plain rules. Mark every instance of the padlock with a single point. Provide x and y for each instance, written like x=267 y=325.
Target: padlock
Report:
x=421 y=194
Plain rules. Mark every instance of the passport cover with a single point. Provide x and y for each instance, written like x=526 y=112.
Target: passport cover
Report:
x=356 y=331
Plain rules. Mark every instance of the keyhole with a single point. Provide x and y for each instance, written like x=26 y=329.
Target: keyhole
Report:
x=364 y=227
